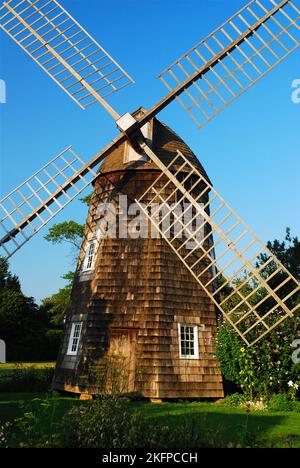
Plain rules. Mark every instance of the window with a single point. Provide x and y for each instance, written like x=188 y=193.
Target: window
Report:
x=90 y=255
x=74 y=338
x=188 y=341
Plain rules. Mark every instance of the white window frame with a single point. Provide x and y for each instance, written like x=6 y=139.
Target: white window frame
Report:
x=87 y=264
x=74 y=340
x=195 y=341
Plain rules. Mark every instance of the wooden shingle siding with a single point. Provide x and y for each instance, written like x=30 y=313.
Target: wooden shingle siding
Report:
x=138 y=294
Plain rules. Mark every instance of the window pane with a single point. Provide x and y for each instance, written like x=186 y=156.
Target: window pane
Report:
x=74 y=338
x=188 y=345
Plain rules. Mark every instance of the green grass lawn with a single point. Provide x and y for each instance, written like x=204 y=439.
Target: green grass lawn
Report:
x=229 y=425
x=218 y=423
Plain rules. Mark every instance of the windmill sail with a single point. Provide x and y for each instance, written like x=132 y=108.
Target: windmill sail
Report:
x=28 y=208
x=251 y=288
x=64 y=50
x=233 y=58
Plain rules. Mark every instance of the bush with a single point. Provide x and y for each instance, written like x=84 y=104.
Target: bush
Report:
x=26 y=379
x=108 y=423
x=234 y=400
x=266 y=367
x=36 y=427
x=282 y=402
x=4 y=434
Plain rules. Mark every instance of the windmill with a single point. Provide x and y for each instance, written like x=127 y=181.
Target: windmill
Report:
x=227 y=269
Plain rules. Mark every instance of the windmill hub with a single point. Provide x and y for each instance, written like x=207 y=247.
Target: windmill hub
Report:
x=131 y=128
x=126 y=122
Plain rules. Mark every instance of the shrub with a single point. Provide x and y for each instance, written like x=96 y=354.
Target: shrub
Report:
x=4 y=434
x=35 y=428
x=26 y=379
x=266 y=367
x=282 y=402
x=110 y=374
x=107 y=422
x=234 y=400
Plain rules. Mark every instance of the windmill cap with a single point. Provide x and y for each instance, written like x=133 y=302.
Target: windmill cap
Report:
x=165 y=144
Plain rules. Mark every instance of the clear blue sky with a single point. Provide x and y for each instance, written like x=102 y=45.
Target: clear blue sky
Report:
x=251 y=150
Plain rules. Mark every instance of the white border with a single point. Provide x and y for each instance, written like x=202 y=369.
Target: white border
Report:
x=70 y=352
x=196 y=341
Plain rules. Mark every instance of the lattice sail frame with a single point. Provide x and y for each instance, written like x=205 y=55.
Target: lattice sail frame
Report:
x=28 y=208
x=64 y=50
x=234 y=57
x=248 y=284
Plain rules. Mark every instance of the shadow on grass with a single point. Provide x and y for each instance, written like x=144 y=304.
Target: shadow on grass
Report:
x=217 y=425
x=223 y=426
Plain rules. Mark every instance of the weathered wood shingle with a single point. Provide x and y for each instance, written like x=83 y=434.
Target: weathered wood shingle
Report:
x=137 y=295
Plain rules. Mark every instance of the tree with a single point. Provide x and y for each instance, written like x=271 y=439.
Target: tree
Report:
x=288 y=252
x=7 y=280
x=57 y=305
x=22 y=324
x=70 y=232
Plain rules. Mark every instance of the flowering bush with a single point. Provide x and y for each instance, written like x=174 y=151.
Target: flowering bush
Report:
x=265 y=368
x=4 y=434
x=293 y=390
x=236 y=400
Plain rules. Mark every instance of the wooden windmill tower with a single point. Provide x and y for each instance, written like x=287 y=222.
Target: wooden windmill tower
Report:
x=153 y=299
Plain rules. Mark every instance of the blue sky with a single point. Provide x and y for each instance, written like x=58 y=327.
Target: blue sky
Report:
x=251 y=150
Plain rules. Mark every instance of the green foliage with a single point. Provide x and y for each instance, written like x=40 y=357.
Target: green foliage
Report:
x=265 y=368
x=27 y=379
x=108 y=423
x=110 y=374
x=288 y=252
x=234 y=400
x=68 y=231
x=5 y=429
x=53 y=338
x=20 y=324
x=40 y=422
x=282 y=402
x=27 y=430
x=7 y=280
x=57 y=305
x=87 y=199
x=23 y=326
